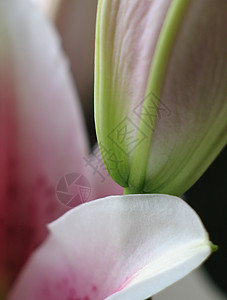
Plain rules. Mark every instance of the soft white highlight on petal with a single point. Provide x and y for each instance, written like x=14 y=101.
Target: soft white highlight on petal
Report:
x=129 y=247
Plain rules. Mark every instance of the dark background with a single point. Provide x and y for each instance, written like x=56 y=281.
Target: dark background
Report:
x=208 y=198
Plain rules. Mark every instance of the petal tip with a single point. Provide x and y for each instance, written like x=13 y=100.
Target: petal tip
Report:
x=213 y=247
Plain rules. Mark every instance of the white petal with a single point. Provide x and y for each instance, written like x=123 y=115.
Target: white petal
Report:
x=129 y=247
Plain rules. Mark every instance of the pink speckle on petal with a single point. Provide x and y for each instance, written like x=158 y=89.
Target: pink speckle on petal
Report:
x=94 y=288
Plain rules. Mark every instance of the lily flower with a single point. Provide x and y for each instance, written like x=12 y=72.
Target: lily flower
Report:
x=42 y=135
x=122 y=247
x=160 y=91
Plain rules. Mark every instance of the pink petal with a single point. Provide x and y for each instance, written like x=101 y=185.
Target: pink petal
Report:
x=102 y=184
x=42 y=131
x=125 y=247
x=107 y=187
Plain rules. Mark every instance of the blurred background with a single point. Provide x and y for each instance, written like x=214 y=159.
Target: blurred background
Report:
x=75 y=22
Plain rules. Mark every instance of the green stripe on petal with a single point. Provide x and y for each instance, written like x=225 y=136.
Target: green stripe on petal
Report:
x=160 y=61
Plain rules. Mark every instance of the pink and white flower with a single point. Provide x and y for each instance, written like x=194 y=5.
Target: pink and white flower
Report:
x=119 y=247
x=42 y=134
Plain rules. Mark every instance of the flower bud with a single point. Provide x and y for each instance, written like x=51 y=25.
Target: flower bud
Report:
x=160 y=86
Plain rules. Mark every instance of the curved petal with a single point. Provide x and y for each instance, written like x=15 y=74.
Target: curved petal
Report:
x=160 y=90
x=43 y=132
x=121 y=247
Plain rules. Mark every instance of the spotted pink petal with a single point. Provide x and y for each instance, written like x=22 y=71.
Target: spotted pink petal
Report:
x=120 y=247
x=42 y=133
